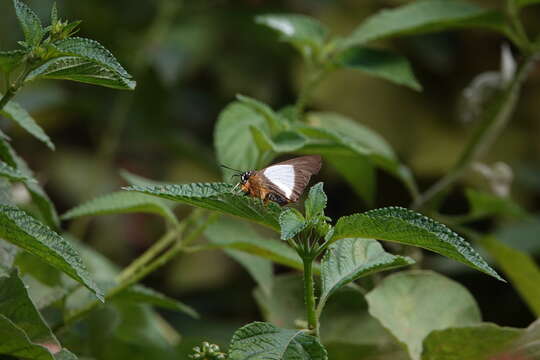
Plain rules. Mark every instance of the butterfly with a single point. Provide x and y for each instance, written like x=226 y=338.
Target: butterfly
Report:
x=283 y=182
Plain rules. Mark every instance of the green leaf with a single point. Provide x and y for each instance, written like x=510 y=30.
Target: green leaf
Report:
x=414 y=303
x=54 y=14
x=264 y=341
x=315 y=202
x=300 y=30
x=274 y=121
x=523 y=3
x=479 y=342
x=291 y=222
x=483 y=204
x=24 y=231
x=520 y=268
x=260 y=269
x=10 y=173
x=15 y=343
x=232 y=234
x=39 y=197
x=65 y=354
x=81 y=70
x=142 y=294
x=18 y=114
x=218 y=197
x=380 y=63
x=133 y=179
x=10 y=59
x=30 y=23
x=423 y=17
x=410 y=228
x=350 y=259
x=121 y=203
x=233 y=140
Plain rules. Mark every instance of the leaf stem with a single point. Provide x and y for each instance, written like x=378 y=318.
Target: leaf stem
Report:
x=497 y=117
x=309 y=295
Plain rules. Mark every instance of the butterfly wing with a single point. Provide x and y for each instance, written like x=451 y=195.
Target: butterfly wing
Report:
x=290 y=178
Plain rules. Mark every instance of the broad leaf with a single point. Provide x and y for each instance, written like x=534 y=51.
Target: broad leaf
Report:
x=264 y=341
x=10 y=59
x=260 y=269
x=520 y=268
x=380 y=63
x=65 y=354
x=121 y=203
x=274 y=121
x=315 y=202
x=527 y=345
x=218 y=197
x=232 y=234
x=479 y=342
x=11 y=173
x=30 y=23
x=26 y=232
x=291 y=223
x=15 y=343
x=410 y=228
x=425 y=16
x=350 y=259
x=300 y=30
x=17 y=113
x=484 y=204
x=81 y=70
x=425 y=299
x=144 y=295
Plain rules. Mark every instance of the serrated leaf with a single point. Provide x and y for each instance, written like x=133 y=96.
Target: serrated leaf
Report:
x=18 y=114
x=40 y=198
x=236 y=235
x=10 y=59
x=26 y=232
x=299 y=30
x=423 y=17
x=483 y=204
x=142 y=294
x=264 y=341
x=218 y=197
x=15 y=343
x=350 y=259
x=122 y=203
x=414 y=303
x=291 y=223
x=91 y=50
x=410 y=228
x=379 y=63
x=479 y=342
x=81 y=70
x=520 y=268
x=15 y=305
x=30 y=23
x=11 y=173
x=315 y=202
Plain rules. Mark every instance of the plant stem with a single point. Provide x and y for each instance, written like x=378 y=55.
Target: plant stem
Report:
x=309 y=295
x=314 y=77
x=10 y=93
x=484 y=136
x=13 y=88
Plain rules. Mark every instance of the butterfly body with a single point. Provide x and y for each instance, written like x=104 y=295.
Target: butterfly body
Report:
x=283 y=182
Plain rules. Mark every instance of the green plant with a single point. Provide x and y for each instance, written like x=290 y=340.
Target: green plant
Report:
x=415 y=314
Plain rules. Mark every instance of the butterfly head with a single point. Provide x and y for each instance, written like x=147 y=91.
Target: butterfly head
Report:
x=244 y=177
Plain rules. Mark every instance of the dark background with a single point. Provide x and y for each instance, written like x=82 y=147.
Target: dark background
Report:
x=188 y=72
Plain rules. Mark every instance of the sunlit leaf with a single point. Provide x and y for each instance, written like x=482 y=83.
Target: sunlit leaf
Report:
x=26 y=232
x=291 y=222
x=30 y=23
x=412 y=304
x=316 y=201
x=258 y=341
x=410 y=228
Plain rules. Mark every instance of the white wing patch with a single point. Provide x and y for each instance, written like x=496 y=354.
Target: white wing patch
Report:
x=282 y=176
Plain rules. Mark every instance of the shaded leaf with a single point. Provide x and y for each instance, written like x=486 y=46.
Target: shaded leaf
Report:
x=18 y=114
x=275 y=123
x=10 y=173
x=81 y=70
x=350 y=259
x=523 y=3
x=425 y=299
x=258 y=341
x=65 y=354
x=315 y=202
x=30 y=23
x=26 y=232
x=410 y=228
x=479 y=342
x=259 y=268
x=10 y=59
x=232 y=234
x=291 y=223
x=483 y=204
x=379 y=63
x=520 y=268
x=217 y=197
x=121 y=203
x=15 y=343
x=425 y=16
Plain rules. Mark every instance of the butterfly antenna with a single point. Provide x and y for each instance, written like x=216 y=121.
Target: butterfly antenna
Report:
x=226 y=167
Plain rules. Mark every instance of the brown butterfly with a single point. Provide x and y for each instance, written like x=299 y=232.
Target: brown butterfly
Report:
x=283 y=182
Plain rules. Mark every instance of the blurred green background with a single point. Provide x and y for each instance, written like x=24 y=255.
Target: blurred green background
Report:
x=190 y=58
